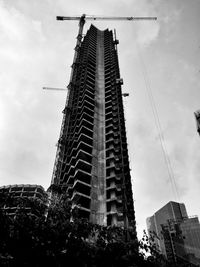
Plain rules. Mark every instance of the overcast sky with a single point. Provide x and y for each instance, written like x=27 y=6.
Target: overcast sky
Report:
x=162 y=58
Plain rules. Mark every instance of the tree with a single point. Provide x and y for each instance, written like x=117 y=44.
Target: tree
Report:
x=53 y=239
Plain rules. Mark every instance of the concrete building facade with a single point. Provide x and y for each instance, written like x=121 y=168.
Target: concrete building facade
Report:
x=92 y=158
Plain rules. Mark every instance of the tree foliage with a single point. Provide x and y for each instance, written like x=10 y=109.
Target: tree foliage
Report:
x=53 y=239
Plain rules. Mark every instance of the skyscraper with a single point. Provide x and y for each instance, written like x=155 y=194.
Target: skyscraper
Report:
x=176 y=235
x=172 y=211
x=92 y=157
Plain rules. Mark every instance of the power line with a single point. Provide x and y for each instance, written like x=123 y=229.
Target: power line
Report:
x=158 y=125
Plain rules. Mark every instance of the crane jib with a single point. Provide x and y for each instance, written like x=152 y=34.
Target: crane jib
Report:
x=105 y=18
x=121 y=18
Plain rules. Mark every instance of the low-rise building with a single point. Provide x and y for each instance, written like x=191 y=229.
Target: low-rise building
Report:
x=18 y=197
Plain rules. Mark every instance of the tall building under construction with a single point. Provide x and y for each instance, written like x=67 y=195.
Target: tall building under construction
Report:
x=92 y=161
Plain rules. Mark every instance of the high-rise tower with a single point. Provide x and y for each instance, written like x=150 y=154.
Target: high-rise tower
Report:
x=176 y=235
x=92 y=158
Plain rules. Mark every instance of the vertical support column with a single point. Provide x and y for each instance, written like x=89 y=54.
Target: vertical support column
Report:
x=98 y=191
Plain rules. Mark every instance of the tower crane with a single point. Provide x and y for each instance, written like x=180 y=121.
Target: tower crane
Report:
x=82 y=19
x=85 y=17
x=88 y=17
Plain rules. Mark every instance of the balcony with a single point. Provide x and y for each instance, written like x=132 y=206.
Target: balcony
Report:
x=110 y=156
x=69 y=180
x=77 y=130
x=86 y=116
x=111 y=128
x=82 y=211
x=114 y=199
x=77 y=154
x=86 y=139
x=115 y=212
x=85 y=109
x=85 y=147
x=108 y=104
x=86 y=103
x=90 y=90
x=113 y=177
x=115 y=187
x=83 y=165
x=86 y=123
x=84 y=156
x=83 y=176
x=90 y=83
x=108 y=97
x=110 y=136
x=82 y=187
x=81 y=199
x=77 y=195
x=109 y=114
x=85 y=131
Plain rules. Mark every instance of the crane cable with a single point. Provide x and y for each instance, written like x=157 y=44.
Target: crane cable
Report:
x=158 y=125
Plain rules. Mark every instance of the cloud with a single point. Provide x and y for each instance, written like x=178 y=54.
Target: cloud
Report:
x=169 y=21
x=16 y=27
x=147 y=32
x=23 y=124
